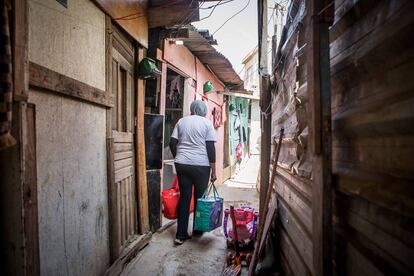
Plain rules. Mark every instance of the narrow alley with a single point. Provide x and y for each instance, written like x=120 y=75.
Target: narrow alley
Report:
x=206 y=137
x=203 y=255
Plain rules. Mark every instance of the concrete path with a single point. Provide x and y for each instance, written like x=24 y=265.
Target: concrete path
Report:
x=199 y=256
x=247 y=174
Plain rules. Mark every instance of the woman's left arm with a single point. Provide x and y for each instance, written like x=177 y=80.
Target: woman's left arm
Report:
x=173 y=146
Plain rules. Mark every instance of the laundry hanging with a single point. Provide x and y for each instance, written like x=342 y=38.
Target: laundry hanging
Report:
x=6 y=79
x=217 y=117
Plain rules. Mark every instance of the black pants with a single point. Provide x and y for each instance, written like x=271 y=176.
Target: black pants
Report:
x=189 y=175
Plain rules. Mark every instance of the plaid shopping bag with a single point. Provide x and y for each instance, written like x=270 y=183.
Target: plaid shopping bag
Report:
x=209 y=212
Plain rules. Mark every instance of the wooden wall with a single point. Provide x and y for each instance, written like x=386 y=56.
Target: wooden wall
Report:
x=372 y=60
x=293 y=180
x=372 y=65
x=131 y=15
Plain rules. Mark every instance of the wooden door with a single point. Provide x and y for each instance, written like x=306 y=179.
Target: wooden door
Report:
x=121 y=148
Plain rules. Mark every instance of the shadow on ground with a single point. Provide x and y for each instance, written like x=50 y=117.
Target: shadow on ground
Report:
x=199 y=256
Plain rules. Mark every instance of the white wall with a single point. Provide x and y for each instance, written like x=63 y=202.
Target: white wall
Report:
x=71 y=140
x=255 y=129
x=72 y=186
x=70 y=41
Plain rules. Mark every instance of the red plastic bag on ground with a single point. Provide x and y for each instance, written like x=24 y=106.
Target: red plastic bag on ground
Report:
x=170 y=198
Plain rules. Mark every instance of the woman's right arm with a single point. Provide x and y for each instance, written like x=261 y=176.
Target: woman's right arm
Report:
x=211 y=153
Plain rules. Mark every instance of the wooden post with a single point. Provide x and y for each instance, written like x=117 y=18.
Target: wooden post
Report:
x=265 y=101
x=30 y=205
x=163 y=90
x=20 y=50
x=142 y=188
x=318 y=66
x=265 y=138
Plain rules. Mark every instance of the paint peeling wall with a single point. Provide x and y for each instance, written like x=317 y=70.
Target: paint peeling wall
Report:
x=71 y=148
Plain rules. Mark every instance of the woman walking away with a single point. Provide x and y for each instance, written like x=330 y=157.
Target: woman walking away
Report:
x=192 y=145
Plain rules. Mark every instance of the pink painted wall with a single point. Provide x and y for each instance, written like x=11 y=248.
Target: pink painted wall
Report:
x=181 y=58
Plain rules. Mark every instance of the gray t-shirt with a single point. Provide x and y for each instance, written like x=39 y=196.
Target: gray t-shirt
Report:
x=192 y=132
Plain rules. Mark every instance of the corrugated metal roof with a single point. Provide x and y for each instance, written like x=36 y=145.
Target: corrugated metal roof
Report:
x=200 y=43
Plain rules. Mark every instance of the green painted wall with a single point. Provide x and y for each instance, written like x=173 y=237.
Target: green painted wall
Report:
x=238 y=108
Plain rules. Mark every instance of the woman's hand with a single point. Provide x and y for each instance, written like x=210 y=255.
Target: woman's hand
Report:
x=213 y=177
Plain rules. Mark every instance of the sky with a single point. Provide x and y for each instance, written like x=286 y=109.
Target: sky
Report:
x=239 y=35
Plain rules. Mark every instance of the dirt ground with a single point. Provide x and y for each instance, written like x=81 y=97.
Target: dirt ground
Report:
x=199 y=256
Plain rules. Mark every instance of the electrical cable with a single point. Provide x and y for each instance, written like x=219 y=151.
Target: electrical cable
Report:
x=212 y=6
x=211 y=11
x=185 y=18
x=130 y=18
x=248 y=2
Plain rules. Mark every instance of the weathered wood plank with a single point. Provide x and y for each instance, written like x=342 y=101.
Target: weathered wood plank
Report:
x=122 y=137
x=296 y=202
x=124 y=163
x=20 y=36
x=390 y=156
x=131 y=206
x=373 y=258
x=122 y=147
x=123 y=173
x=114 y=203
x=295 y=262
x=318 y=82
x=303 y=185
x=128 y=207
x=389 y=192
x=129 y=108
x=45 y=78
x=369 y=25
x=123 y=155
x=114 y=84
x=140 y=147
x=350 y=261
x=388 y=221
x=285 y=265
x=136 y=27
x=402 y=253
x=31 y=228
x=347 y=13
x=300 y=238
x=384 y=85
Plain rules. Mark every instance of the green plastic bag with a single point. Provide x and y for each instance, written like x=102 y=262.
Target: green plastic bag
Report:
x=148 y=68
x=209 y=212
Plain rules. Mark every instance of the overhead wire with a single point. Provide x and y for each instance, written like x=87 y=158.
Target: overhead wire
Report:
x=212 y=6
x=130 y=17
x=186 y=17
x=248 y=2
x=211 y=11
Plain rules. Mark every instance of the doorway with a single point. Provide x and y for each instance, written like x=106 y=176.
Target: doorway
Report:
x=120 y=145
x=175 y=106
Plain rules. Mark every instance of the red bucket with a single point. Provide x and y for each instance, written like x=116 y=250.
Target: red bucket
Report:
x=170 y=198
